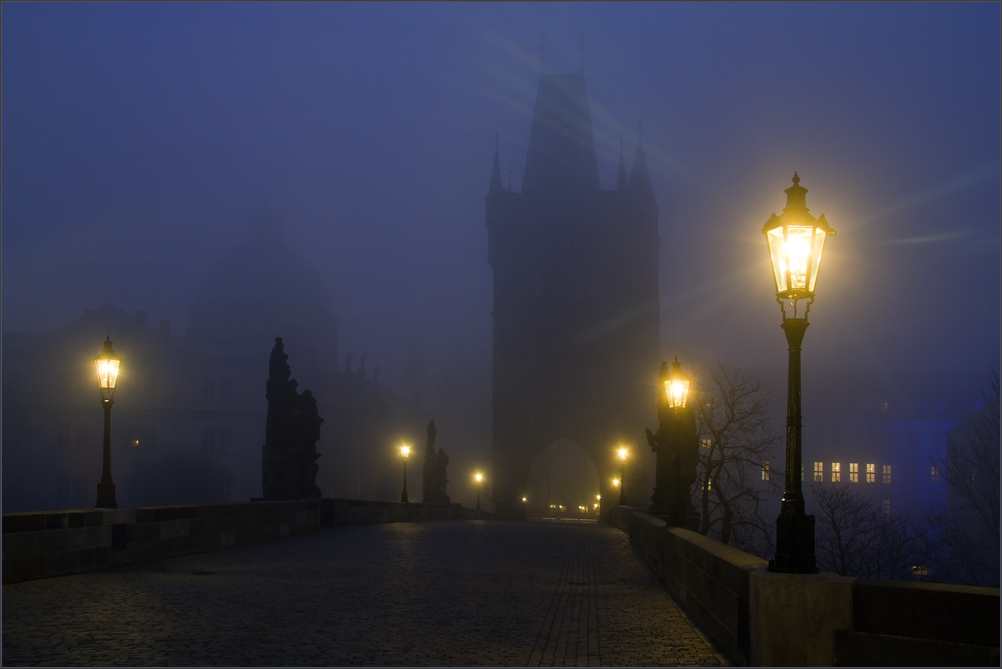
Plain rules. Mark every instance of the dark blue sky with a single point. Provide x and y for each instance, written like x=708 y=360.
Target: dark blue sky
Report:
x=138 y=137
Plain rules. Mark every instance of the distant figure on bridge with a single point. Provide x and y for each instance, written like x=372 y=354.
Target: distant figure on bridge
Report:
x=435 y=464
x=289 y=456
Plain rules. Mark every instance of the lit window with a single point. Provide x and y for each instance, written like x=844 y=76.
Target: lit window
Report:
x=819 y=471
x=934 y=473
x=853 y=472
x=706 y=484
x=706 y=443
x=836 y=472
x=766 y=474
x=887 y=474
x=871 y=473
x=885 y=506
x=920 y=570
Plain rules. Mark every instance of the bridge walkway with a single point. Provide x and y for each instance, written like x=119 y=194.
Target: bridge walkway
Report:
x=446 y=593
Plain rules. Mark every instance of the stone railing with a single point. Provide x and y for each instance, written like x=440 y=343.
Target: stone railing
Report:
x=50 y=543
x=760 y=618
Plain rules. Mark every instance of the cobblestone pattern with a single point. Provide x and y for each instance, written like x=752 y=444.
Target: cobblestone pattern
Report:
x=448 y=593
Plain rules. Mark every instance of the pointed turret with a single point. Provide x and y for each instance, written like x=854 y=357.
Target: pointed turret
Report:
x=640 y=179
x=495 y=188
x=621 y=178
x=561 y=161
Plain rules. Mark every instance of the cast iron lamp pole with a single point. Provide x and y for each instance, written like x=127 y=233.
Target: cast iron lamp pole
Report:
x=677 y=389
x=796 y=240
x=107 y=363
x=405 y=451
x=622 y=452
x=479 y=479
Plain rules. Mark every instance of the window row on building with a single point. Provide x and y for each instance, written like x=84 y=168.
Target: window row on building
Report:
x=854 y=473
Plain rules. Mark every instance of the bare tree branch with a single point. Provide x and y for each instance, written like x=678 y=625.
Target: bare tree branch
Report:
x=732 y=413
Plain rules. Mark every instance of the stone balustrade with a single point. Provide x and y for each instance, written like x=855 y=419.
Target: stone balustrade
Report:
x=760 y=618
x=50 y=543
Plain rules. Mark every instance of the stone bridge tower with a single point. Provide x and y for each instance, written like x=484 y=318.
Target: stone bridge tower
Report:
x=576 y=311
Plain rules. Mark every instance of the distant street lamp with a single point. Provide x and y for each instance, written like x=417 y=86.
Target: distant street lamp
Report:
x=796 y=240
x=622 y=452
x=478 y=477
x=107 y=363
x=405 y=452
x=677 y=390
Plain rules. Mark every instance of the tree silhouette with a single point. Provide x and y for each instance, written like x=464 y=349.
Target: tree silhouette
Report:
x=732 y=413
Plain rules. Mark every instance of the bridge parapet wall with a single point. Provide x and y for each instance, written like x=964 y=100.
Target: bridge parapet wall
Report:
x=760 y=618
x=38 y=544
x=50 y=543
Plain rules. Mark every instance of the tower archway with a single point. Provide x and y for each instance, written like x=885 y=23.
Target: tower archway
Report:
x=562 y=480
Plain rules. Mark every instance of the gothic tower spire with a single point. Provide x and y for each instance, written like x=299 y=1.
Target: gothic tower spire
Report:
x=640 y=179
x=495 y=188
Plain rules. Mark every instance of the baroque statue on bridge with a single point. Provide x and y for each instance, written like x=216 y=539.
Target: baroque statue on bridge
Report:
x=289 y=458
x=435 y=463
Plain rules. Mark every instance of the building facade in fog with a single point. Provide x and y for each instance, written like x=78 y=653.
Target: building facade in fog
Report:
x=575 y=303
x=189 y=416
x=884 y=434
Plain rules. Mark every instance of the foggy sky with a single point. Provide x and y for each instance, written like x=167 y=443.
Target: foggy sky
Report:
x=137 y=138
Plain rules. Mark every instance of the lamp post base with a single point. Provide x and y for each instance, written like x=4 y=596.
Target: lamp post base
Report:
x=106 y=496
x=403 y=498
x=794 y=544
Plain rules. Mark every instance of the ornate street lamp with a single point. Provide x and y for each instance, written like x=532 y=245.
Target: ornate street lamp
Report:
x=107 y=363
x=479 y=478
x=796 y=240
x=622 y=452
x=405 y=452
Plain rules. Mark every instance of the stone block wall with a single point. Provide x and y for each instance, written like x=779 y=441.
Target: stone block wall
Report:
x=50 y=543
x=760 y=618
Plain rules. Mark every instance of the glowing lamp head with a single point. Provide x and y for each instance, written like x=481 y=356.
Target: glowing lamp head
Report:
x=598 y=497
x=478 y=477
x=622 y=453
x=107 y=363
x=677 y=386
x=796 y=241
x=405 y=451
x=523 y=500
x=615 y=482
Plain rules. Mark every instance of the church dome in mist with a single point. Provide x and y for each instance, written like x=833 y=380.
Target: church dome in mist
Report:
x=262 y=289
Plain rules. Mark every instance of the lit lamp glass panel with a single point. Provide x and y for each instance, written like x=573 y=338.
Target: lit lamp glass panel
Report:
x=796 y=255
x=677 y=386
x=107 y=363
x=678 y=391
x=405 y=451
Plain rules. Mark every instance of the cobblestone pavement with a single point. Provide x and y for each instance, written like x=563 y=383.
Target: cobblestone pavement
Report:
x=447 y=593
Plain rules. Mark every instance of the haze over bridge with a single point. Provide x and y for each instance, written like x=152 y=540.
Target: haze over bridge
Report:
x=452 y=593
